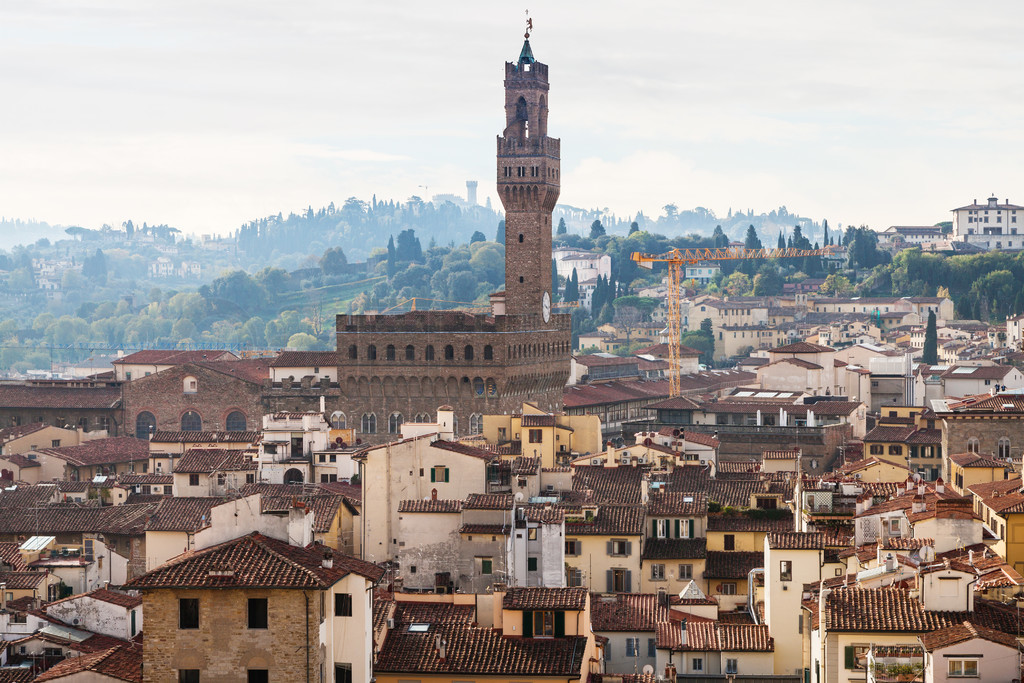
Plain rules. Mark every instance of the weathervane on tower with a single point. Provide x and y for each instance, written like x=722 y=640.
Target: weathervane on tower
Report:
x=529 y=25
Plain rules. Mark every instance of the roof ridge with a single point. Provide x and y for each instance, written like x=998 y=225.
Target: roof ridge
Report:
x=258 y=538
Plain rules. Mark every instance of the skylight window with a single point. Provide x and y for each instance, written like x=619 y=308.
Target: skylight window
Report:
x=419 y=628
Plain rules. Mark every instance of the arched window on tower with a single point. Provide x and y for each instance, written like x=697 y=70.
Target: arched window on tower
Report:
x=973 y=445
x=449 y=352
x=428 y=353
x=338 y=420
x=488 y=352
x=468 y=352
x=371 y=352
x=395 y=423
x=353 y=352
x=476 y=423
x=1003 y=448
x=410 y=352
x=389 y=352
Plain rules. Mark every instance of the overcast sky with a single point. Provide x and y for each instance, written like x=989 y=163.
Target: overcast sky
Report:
x=204 y=114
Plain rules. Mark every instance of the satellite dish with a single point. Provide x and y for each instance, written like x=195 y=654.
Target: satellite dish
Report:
x=519 y=496
x=648 y=669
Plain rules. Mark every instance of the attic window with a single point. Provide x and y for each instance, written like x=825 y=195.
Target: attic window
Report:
x=419 y=628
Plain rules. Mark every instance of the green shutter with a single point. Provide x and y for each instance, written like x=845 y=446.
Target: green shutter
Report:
x=446 y=470
x=654 y=528
x=433 y=475
x=527 y=624
x=559 y=624
x=691 y=529
x=677 y=528
x=851 y=660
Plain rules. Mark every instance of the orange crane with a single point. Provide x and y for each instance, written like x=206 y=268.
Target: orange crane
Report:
x=676 y=259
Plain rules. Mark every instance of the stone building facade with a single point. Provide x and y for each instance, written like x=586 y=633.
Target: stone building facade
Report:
x=220 y=396
x=396 y=368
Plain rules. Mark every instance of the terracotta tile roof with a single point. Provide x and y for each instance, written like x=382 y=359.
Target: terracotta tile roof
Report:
x=544 y=513
x=23 y=580
x=18 y=431
x=82 y=398
x=481 y=651
x=1003 y=496
x=675 y=549
x=626 y=612
x=105 y=595
x=704 y=636
x=73 y=486
x=882 y=609
x=11 y=556
x=689 y=479
x=796 y=540
x=107 y=451
x=352 y=492
x=675 y=403
x=182 y=514
x=19 y=674
x=975 y=460
x=325 y=506
x=120 y=663
x=984 y=403
x=74 y=519
x=977 y=372
x=582 y=395
x=799 y=362
x=737 y=492
x=206 y=437
x=433 y=613
x=493 y=529
x=538 y=421
x=800 y=347
x=611 y=520
x=306 y=359
x=545 y=598
x=444 y=506
x=172 y=356
x=677 y=504
x=210 y=460
x=739 y=523
x=488 y=501
x=963 y=632
x=728 y=564
x=20 y=460
x=145 y=478
x=609 y=484
x=255 y=561
x=780 y=455
x=464 y=449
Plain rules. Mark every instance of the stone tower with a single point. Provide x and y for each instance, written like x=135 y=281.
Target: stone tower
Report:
x=401 y=367
x=528 y=185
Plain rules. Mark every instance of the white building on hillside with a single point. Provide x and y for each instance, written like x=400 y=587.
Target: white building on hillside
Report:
x=991 y=225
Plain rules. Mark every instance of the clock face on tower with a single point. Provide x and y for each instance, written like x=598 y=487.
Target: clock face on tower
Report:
x=545 y=306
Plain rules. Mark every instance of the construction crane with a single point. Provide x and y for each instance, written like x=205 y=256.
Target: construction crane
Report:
x=676 y=260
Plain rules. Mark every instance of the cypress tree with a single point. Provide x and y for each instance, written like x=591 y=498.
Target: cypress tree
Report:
x=931 y=341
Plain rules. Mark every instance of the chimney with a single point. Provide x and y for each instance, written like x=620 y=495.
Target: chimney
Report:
x=918 y=505
x=328 y=560
x=890 y=562
x=682 y=633
x=670 y=671
x=940 y=486
x=442 y=647
x=433 y=494
x=920 y=488
x=323 y=404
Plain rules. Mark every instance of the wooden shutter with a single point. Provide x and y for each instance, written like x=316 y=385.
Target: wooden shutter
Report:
x=629 y=547
x=691 y=529
x=851 y=659
x=446 y=471
x=629 y=581
x=559 y=624
x=433 y=475
x=527 y=624
x=677 y=528
x=654 y=528
x=611 y=548
x=611 y=581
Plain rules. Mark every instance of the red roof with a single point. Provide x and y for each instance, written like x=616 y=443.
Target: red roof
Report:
x=306 y=359
x=207 y=461
x=545 y=598
x=801 y=347
x=122 y=663
x=107 y=451
x=256 y=561
x=172 y=357
x=626 y=612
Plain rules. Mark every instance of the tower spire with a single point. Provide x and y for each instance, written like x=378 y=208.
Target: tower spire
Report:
x=526 y=54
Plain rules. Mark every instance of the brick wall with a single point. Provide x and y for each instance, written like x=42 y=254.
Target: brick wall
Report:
x=223 y=648
x=217 y=394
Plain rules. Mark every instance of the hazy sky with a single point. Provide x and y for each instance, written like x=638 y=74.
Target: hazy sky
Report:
x=204 y=114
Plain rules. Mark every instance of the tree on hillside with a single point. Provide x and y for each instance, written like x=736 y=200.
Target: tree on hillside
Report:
x=561 y=227
x=596 y=230
x=835 y=285
x=930 y=355
x=477 y=236
x=572 y=287
x=392 y=261
x=720 y=238
x=499 y=237
x=826 y=240
x=333 y=261
x=768 y=281
x=634 y=227
x=782 y=241
x=95 y=267
x=752 y=241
